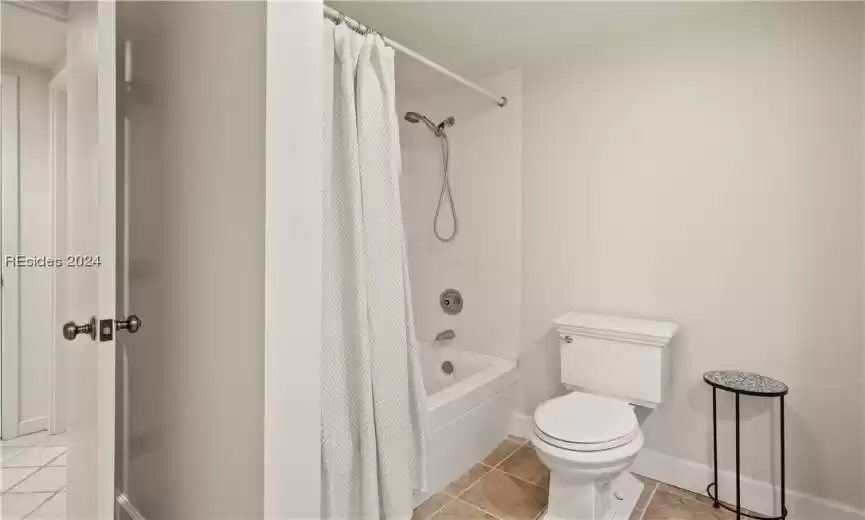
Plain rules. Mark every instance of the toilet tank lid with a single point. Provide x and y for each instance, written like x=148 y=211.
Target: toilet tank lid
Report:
x=603 y=325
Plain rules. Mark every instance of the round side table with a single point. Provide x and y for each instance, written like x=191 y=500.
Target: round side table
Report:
x=744 y=383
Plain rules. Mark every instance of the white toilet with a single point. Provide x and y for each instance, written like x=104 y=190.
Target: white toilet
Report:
x=589 y=437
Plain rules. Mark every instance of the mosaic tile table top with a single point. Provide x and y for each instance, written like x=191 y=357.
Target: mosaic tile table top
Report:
x=745 y=383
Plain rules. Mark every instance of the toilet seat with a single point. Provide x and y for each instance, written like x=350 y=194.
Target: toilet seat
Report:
x=586 y=423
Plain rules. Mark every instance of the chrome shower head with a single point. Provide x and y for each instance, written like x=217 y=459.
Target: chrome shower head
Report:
x=438 y=130
x=414 y=117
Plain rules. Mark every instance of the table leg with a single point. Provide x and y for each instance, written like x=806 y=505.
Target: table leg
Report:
x=738 y=473
x=783 y=468
x=715 y=441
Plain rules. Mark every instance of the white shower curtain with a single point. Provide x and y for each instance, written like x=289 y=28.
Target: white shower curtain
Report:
x=372 y=436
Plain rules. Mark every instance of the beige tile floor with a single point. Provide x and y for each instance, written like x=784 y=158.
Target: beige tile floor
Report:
x=33 y=477
x=511 y=483
x=664 y=502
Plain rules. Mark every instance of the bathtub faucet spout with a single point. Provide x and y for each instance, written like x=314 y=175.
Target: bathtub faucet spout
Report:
x=448 y=334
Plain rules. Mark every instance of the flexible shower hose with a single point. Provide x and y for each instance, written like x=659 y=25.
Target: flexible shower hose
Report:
x=445 y=191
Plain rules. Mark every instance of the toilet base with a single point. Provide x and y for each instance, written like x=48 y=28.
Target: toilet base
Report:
x=613 y=500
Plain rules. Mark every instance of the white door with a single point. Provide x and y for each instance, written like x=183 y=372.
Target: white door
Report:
x=90 y=260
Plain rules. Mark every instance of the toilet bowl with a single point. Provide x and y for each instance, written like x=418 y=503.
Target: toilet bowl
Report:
x=588 y=442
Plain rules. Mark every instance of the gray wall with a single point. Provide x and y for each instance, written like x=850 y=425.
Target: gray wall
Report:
x=710 y=172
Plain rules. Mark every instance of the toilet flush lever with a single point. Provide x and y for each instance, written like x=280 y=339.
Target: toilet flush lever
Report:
x=566 y=339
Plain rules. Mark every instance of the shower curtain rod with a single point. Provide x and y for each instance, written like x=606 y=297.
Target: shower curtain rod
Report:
x=338 y=18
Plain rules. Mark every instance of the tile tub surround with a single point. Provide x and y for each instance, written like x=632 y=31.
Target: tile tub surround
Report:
x=511 y=483
x=33 y=477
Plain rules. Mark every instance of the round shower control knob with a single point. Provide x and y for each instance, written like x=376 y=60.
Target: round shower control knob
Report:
x=451 y=301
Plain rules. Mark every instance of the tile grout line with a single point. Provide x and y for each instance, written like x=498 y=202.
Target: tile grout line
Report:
x=522 y=480
x=481 y=478
x=28 y=477
x=491 y=469
x=37 y=508
x=509 y=455
x=38 y=469
x=432 y=515
x=543 y=510
x=25 y=449
x=521 y=446
x=509 y=474
x=643 y=512
x=541 y=513
x=649 y=500
x=451 y=501
x=479 y=508
x=471 y=485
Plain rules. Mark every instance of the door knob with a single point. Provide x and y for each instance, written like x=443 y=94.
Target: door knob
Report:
x=131 y=323
x=71 y=330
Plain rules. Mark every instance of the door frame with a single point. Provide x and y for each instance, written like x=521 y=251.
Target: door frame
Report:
x=56 y=295
x=10 y=237
x=293 y=214
x=107 y=84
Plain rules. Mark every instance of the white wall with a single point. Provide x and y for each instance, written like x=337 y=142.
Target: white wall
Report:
x=292 y=454
x=483 y=261
x=711 y=173
x=35 y=240
x=197 y=230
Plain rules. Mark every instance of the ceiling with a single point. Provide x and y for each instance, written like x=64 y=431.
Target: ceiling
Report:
x=33 y=36
x=474 y=38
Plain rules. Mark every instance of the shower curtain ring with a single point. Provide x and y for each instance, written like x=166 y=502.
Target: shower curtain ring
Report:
x=340 y=19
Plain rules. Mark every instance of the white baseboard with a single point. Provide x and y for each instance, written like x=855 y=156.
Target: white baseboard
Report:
x=36 y=424
x=756 y=495
x=522 y=425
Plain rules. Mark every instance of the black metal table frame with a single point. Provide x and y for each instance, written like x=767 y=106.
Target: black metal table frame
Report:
x=714 y=485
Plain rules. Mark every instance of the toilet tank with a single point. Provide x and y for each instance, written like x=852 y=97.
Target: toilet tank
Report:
x=627 y=358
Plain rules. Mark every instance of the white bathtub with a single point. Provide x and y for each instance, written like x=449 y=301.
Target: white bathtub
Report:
x=469 y=411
